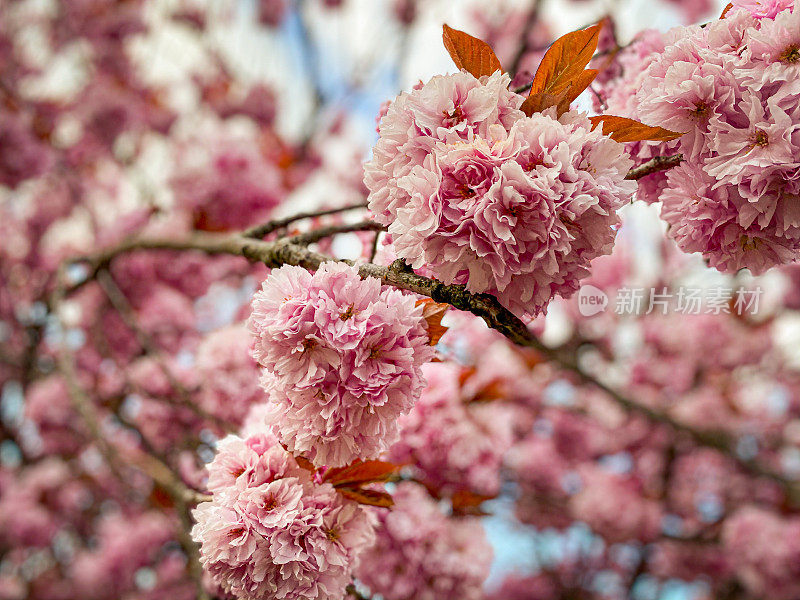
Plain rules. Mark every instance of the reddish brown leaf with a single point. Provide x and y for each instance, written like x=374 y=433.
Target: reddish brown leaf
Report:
x=466 y=373
x=305 y=463
x=369 y=497
x=565 y=60
x=433 y=312
x=493 y=390
x=468 y=503
x=579 y=84
x=725 y=11
x=622 y=129
x=470 y=53
x=540 y=101
x=361 y=473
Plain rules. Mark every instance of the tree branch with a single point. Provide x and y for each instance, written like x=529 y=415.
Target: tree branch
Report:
x=259 y=231
x=126 y=312
x=286 y=252
x=323 y=232
x=659 y=163
x=147 y=464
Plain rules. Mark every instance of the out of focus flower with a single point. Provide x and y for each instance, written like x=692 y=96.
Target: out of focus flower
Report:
x=421 y=554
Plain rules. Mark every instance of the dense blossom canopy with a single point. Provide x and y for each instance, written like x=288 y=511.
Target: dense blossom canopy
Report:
x=525 y=352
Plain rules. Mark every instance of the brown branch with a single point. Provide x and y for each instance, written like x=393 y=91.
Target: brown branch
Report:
x=659 y=163
x=151 y=466
x=323 y=232
x=259 y=231
x=530 y=21
x=353 y=592
x=285 y=252
x=128 y=315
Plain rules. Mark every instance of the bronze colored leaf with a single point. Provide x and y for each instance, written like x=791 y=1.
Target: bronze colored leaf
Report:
x=368 y=497
x=565 y=60
x=433 y=312
x=470 y=53
x=622 y=129
x=361 y=473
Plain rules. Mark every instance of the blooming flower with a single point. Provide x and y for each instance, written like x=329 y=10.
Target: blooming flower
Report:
x=703 y=218
x=484 y=196
x=734 y=87
x=270 y=531
x=341 y=360
x=455 y=445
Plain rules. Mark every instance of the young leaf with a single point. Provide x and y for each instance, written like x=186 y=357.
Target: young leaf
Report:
x=433 y=312
x=470 y=53
x=538 y=102
x=369 y=497
x=467 y=503
x=493 y=390
x=622 y=129
x=304 y=463
x=565 y=60
x=361 y=473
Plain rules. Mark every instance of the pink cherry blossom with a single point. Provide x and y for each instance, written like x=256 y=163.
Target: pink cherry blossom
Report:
x=341 y=360
x=517 y=211
x=270 y=532
x=455 y=445
x=764 y=8
x=703 y=218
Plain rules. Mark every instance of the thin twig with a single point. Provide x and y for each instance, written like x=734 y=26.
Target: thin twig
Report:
x=259 y=231
x=125 y=310
x=353 y=592
x=374 y=250
x=659 y=163
x=324 y=232
x=530 y=21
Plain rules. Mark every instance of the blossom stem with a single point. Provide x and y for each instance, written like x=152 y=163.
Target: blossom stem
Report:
x=324 y=232
x=659 y=163
x=259 y=231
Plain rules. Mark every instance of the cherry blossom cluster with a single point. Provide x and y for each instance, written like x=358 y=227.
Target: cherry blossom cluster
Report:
x=477 y=193
x=270 y=531
x=341 y=359
x=121 y=377
x=732 y=86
